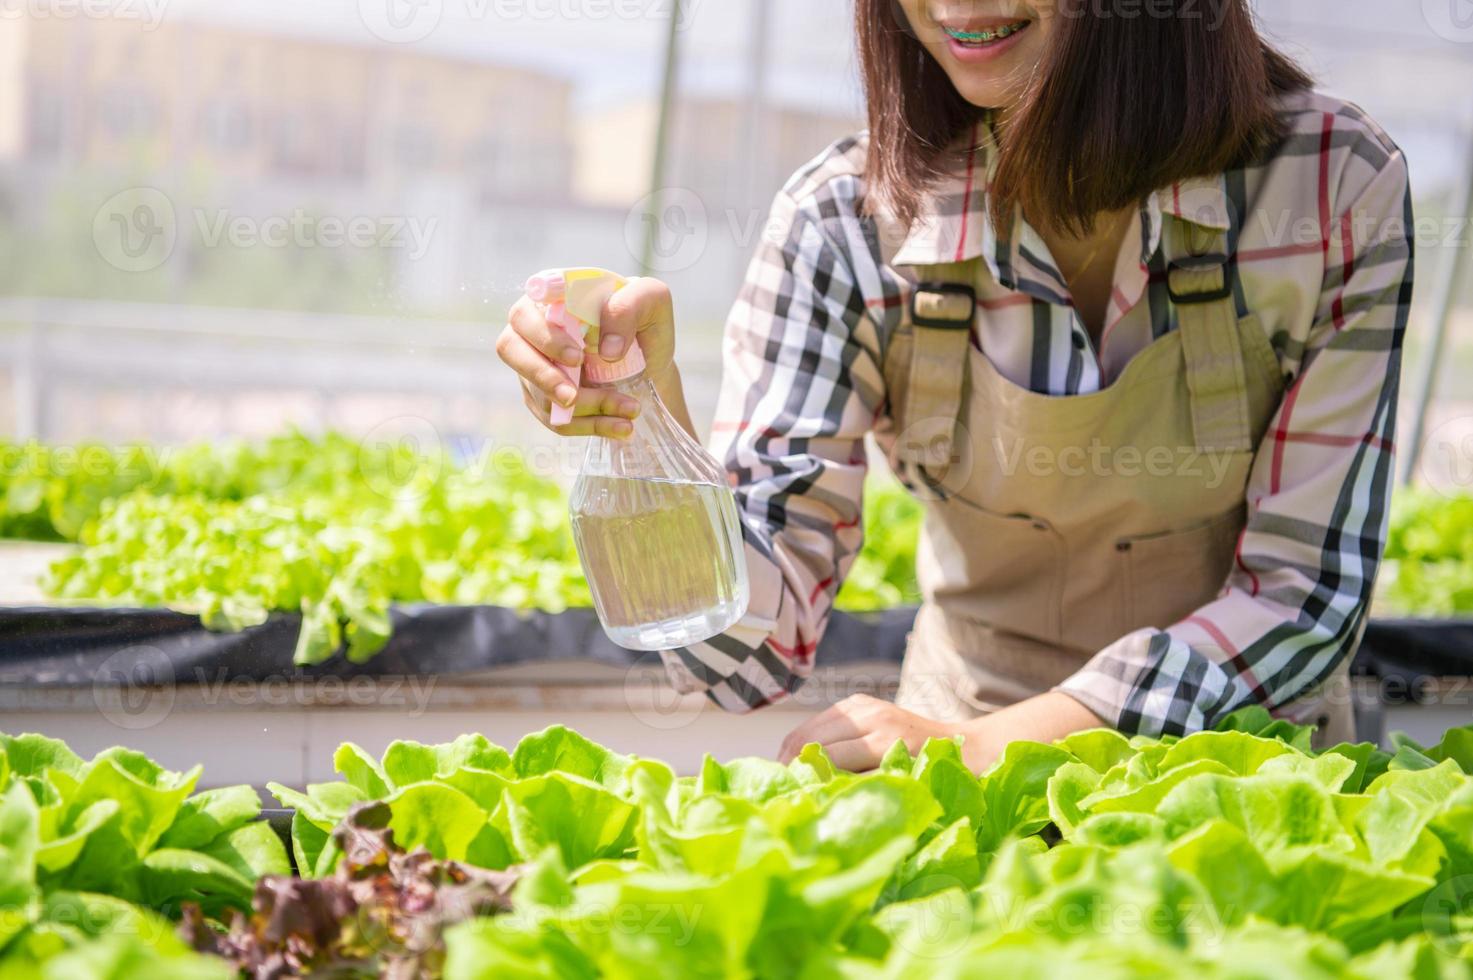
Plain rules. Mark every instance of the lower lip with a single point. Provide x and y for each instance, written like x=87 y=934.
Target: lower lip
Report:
x=978 y=53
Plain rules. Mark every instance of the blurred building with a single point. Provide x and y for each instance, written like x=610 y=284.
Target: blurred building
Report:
x=99 y=92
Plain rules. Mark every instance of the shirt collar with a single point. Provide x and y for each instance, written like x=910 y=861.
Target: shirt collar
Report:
x=955 y=223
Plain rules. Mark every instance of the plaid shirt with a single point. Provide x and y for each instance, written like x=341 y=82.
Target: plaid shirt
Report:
x=1319 y=234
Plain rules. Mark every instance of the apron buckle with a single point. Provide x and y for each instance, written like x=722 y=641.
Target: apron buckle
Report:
x=1199 y=279
x=943 y=305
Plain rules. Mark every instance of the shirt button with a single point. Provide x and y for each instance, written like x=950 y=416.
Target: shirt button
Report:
x=1079 y=341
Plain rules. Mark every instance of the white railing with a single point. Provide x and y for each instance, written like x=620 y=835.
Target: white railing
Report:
x=62 y=356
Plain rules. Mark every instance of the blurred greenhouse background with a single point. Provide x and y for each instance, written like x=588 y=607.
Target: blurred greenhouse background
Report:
x=219 y=219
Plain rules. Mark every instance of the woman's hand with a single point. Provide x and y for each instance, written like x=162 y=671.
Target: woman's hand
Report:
x=858 y=731
x=641 y=312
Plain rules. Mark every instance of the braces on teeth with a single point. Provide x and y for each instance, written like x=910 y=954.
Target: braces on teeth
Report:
x=985 y=36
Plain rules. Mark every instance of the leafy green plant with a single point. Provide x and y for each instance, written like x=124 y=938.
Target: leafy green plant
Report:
x=338 y=531
x=1223 y=848
x=332 y=529
x=48 y=493
x=1237 y=853
x=1429 y=553
x=883 y=575
x=94 y=852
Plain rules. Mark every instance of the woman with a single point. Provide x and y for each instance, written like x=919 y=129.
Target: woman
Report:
x=1123 y=301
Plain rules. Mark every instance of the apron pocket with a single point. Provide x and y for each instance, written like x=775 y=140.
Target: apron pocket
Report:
x=1169 y=576
x=1008 y=569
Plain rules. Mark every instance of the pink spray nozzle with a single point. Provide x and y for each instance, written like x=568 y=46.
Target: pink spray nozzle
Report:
x=546 y=287
x=558 y=315
x=561 y=319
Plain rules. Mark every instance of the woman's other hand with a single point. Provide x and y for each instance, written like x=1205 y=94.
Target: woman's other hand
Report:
x=858 y=731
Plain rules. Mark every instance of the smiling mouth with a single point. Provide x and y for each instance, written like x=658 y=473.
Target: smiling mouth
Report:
x=982 y=38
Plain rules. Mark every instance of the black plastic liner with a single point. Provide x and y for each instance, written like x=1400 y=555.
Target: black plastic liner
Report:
x=1416 y=649
x=70 y=647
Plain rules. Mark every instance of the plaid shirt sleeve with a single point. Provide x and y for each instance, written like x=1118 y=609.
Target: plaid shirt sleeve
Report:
x=1295 y=603
x=801 y=387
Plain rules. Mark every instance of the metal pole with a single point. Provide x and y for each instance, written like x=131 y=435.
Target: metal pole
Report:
x=27 y=382
x=668 y=85
x=757 y=50
x=1442 y=309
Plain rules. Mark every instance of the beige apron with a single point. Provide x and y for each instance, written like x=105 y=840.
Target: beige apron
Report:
x=1058 y=525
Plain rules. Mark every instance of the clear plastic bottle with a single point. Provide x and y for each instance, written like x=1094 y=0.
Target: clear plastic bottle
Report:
x=656 y=525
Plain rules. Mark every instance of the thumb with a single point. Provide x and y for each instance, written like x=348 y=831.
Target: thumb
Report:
x=640 y=304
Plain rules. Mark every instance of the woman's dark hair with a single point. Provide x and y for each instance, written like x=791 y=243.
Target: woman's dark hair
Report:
x=1120 y=106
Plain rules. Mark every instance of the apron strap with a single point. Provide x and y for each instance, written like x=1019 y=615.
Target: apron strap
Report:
x=1201 y=290
x=943 y=308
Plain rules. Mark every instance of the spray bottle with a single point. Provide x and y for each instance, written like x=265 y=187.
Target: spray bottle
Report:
x=654 y=521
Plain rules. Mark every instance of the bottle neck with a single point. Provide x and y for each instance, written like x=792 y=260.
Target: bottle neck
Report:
x=657 y=449
x=635 y=386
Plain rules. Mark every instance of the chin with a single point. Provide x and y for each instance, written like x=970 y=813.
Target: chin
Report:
x=989 y=86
